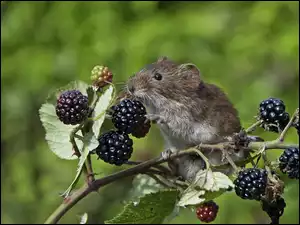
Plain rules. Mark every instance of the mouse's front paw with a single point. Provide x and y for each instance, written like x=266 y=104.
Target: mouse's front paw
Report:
x=155 y=118
x=166 y=154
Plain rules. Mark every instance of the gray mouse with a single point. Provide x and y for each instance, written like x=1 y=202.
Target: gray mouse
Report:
x=188 y=112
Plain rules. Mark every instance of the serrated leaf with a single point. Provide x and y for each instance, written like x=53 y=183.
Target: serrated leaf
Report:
x=144 y=184
x=57 y=133
x=212 y=181
x=210 y=195
x=172 y=215
x=191 y=197
x=100 y=109
x=90 y=143
x=152 y=209
x=83 y=218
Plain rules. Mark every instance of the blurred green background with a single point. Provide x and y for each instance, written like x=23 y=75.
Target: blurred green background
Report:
x=250 y=49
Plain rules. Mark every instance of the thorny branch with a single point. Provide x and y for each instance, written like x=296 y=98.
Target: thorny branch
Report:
x=145 y=167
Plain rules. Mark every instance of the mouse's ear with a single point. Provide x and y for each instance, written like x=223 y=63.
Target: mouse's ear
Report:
x=162 y=58
x=190 y=70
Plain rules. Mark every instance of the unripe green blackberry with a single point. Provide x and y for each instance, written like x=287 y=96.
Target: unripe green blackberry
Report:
x=272 y=112
x=72 y=107
x=289 y=162
x=101 y=76
x=251 y=183
x=115 y=147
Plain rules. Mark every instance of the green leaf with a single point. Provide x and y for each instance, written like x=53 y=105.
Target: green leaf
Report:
x=172 y=215
x=142 y=185
x=206 y=186
x=212 y=181
x=191 y=197
x=100 y=109
x=90 y=143
x=57 y=133
x=210 y=195
x=152 y=209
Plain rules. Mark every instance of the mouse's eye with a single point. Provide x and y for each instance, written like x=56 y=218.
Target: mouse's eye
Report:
x=157 y=76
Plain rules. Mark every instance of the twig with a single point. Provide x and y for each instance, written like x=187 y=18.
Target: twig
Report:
x=290 y=123
x=163 y=182
x=140 y=168
x=253 y=126
x=160 y=167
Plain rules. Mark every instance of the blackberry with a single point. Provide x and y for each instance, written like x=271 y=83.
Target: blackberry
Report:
x=207 y=212
x=289 y=162
x=251 y=183
x=142 y=130
x=272 y=112
x=274 y=209
x=72 y=107
x=114 y=147
x=128 y=116
x=101 y=76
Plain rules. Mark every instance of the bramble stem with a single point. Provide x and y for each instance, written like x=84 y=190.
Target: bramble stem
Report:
x=253 y=126
x=144 y=166
x=290 y=123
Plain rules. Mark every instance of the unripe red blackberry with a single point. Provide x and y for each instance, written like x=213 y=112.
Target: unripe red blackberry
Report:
x=129 y=116
x=251 y=183
x=272 y=112
x=72 y=107
x=114 y=147
x=101 y=76
x=207 y=212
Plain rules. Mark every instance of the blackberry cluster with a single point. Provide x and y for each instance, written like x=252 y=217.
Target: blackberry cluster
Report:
x=115 y=147
x=72 y=107
x=207 y=212
x=289 y=162
x=272 y=112
x=274 y=209
x=251 y=183
x=101 y=76
x=129 y=117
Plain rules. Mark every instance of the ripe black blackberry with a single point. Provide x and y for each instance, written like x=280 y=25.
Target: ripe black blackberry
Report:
x=115 y=147
x=251 y=183
x=142 y=130
x=272 y=112
x=274 y=209
x=128 y=116
x=207 y=212
x=289 y=162
x=72 y=107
